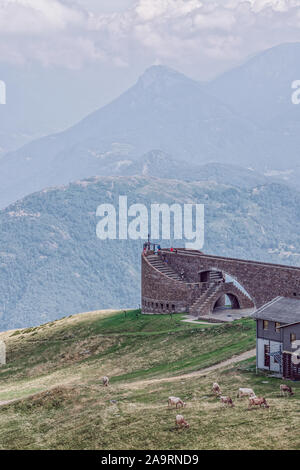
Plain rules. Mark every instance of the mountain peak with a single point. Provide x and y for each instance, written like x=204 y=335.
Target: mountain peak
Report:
x=161 y=74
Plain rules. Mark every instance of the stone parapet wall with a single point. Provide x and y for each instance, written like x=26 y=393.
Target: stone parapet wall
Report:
x=262 y=281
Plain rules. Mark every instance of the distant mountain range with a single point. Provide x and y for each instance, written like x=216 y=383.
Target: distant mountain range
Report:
x=162 y=165
x=231 y=144
x=52 y=264
x=245 y=118
x=260 y=89
x=164 y=110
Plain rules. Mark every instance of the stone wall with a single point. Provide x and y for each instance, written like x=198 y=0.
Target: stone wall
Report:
x=262 y=281
x=161 y=294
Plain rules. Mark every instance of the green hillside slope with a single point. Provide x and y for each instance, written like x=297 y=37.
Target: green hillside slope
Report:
x=54 y=375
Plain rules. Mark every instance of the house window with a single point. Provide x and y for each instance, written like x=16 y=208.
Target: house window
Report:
x=265 y=324
x=293 y=337
x=267 y=355
x=277 y=327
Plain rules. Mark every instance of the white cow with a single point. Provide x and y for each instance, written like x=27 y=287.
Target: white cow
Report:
x=286 y=389
x=180 y=422
x=176 y=401
x=105 y=381
x=245 y=392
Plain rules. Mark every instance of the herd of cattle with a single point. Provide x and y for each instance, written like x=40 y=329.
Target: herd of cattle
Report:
x=180 y=422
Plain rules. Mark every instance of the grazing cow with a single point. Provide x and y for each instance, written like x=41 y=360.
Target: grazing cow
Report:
x=286 y=389
x=180 y=422
x=258 y=401
x=176 y=401
x=227 y=401
x=245 y=392
x=105 y=381
x=216 y=389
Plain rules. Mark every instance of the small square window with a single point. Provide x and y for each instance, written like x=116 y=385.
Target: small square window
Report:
x=265 y=324
x=277 y=327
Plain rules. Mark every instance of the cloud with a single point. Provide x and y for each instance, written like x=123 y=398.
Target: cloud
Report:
x=67 y=33
x=37 y=16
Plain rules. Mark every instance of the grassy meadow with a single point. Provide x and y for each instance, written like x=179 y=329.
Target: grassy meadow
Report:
x=53 y=375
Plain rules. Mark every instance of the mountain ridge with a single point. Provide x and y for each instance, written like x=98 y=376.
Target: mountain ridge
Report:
x=172 y=113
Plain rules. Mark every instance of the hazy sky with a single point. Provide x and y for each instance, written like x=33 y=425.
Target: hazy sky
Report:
x=105 y=6
x=92 y=50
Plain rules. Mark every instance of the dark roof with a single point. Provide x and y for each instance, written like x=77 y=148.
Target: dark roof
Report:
x=281 y=309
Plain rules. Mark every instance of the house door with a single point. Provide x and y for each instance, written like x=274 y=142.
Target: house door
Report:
x=267 y=355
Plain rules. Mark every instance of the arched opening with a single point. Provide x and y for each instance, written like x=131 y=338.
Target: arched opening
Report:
x=213 y=275
x=227 y=302
x=223 y=295
x=204 y=276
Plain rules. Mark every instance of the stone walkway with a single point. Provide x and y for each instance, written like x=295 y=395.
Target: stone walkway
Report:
x=229 y=315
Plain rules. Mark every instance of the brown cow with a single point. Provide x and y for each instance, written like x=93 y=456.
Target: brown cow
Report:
x=227 y=401
x=258 y=401
x=286 y=389
x=180 y=422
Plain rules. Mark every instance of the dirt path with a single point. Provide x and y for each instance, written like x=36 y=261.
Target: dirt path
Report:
x=197 y=322
x=197 y=373
x=7 y=402
x=140 y=383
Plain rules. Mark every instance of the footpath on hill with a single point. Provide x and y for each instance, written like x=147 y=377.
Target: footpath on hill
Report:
x=138 y=384
x=198 y=373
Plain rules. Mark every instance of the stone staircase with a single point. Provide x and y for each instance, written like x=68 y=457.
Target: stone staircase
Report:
x=202 y=306
x=215 y=276
x=199 y=307
x=164 y=268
